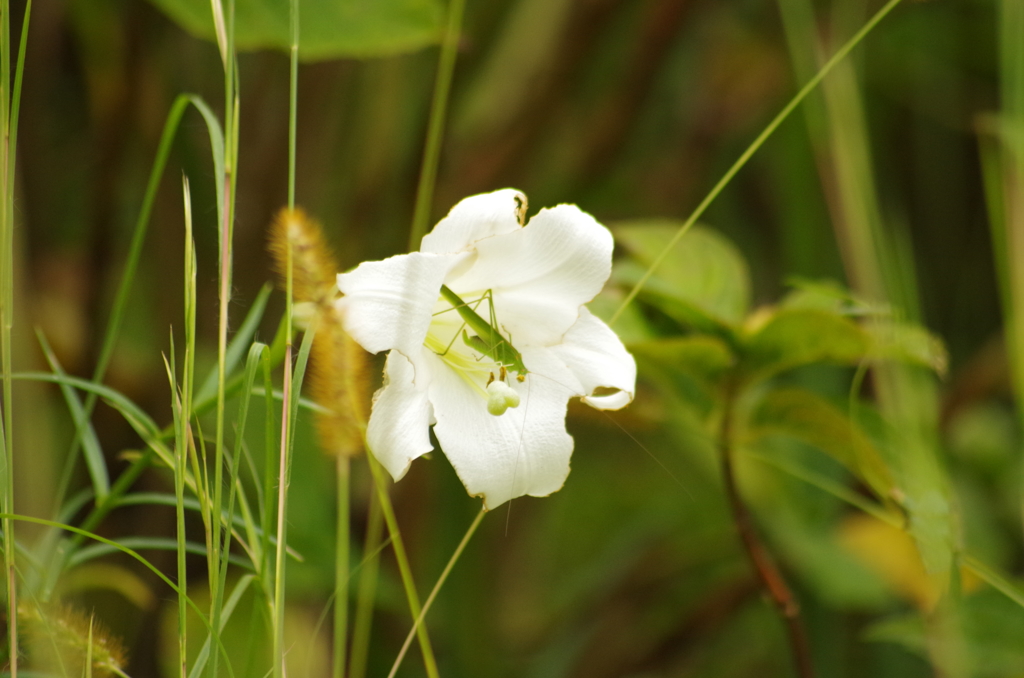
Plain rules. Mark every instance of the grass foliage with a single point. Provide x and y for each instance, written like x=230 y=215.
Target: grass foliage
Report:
x=819 y=213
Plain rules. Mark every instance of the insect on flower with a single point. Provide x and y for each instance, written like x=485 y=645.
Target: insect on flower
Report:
x=489 y=338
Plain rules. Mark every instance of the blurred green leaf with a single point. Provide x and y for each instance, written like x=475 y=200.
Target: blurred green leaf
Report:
x=699 y=355
x=703 y=282
x=794 y=337
x=907 y=630
x=328 y=29
x=826 y=295
x=892 y=339
x=802 y=415
x=993 y=625
x=813 y=552
x=908 y=343
x=689 y=367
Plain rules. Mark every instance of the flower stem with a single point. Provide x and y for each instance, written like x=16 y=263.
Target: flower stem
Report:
x=403 y=563
x=435 y=129
x=760 y=558
x=341 y=566
x=369 y=570
x=433 y=594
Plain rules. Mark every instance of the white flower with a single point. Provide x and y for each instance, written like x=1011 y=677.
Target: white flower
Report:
x=495 y=390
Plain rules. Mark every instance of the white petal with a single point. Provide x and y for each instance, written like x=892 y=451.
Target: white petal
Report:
x=541 y=274
x=526 y=450
x=476 y=218
x=596 y=356
x=388 y=304
x=399 y=428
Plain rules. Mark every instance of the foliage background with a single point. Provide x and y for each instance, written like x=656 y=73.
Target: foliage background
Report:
x=632 y=110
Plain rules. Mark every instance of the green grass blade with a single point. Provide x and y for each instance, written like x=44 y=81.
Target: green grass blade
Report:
x=239 y=344
x=124 y=288
x=88 y=553
x=753 y=148
x=229 y=608
x=127 y=281
x=10 y=102
x=397 y=543
x=86 y=434
x=85 y=534
x=297 y=378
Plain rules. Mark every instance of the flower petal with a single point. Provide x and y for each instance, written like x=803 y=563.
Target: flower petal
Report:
x=476 y=218
x=526 y=450
x=596 y=356
x=388 y=304
x=399 y=426
x=541 y=274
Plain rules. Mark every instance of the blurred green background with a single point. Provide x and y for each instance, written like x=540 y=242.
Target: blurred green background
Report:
x=631 y=109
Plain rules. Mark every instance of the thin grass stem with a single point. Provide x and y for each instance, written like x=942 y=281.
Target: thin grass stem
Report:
x=403 y=563
x=341 y=565
x=282 y=476
x=185 y=420
x=367 y=590
x=293 y=97
x=282 y=503
x=433 y=594
x=753 y=148
x=9 y=106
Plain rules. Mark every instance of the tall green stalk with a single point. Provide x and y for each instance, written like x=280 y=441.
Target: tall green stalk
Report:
x=6 y=323
x=435 y=128
x=341 y=565
x=287 y=406
x=1009 y=236
x=9 y=106
x=225 y=212
x=366 y=590
x=418 y=622
x=184 y=416
x=398 y=544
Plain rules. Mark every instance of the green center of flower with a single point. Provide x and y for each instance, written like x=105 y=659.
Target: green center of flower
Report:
x=475 y=349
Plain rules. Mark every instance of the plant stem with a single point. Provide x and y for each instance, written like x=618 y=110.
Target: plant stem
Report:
x=367 y=592
x=767 y=571
x=403 y=562
x=433 y=594
x=435 y=128
x=282 y=518
x=293 y=96
x=754 y=146
x=341 y=566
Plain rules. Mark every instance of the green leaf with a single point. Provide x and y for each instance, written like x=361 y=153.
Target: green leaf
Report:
x=802 y=415
x=328 y=29
x=88 y=553
x=891 y=339
x=907 y=343
x=991 y=634
x=795 y=337
x=703 y=356
x=827 y=295
x=704 y=280
x=91 y=450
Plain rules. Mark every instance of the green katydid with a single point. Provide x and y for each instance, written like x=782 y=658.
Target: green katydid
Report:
x=488 y=340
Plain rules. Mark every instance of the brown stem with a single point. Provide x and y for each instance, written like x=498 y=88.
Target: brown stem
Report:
x=767 y=571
